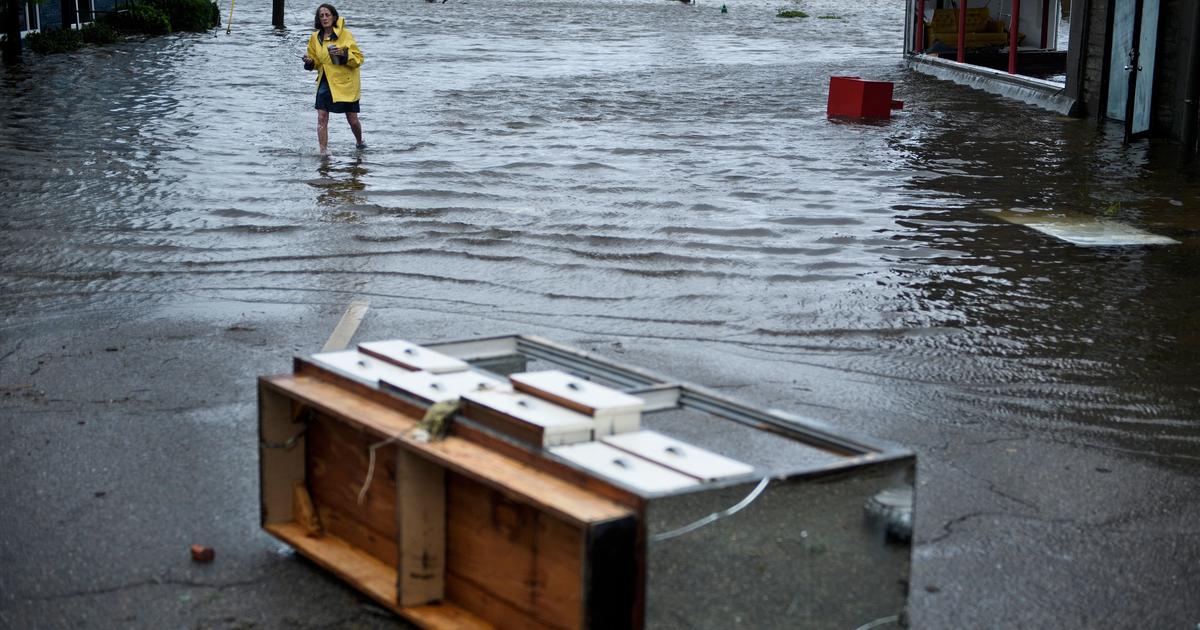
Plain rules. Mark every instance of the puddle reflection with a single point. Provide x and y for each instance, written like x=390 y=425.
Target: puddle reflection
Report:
x=341 y=182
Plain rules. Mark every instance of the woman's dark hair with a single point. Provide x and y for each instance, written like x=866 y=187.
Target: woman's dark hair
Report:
x=317 y=16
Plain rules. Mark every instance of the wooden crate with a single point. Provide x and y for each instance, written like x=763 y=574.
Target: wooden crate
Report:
x=491 y=527
x=449 y=534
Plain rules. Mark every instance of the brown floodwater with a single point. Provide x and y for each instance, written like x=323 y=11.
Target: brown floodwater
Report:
x=631 y=169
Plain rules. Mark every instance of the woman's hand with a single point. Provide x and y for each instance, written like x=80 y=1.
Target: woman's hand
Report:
x=335 y=51
x=307 y=60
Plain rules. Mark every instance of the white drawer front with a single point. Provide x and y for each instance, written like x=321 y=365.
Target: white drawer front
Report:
x=438 y=387
x=413 y=357
x=583 y=395
x=677 y=455
x=626 y=468
x=358 y=366
x=532 y=410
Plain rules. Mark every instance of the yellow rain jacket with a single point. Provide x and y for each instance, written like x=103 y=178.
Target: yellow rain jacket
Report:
x=343 y=78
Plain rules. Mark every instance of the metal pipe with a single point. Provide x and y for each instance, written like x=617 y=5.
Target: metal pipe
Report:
x=962 y=31
x=1013 y=23
x=1191 y=103
x=920 y=43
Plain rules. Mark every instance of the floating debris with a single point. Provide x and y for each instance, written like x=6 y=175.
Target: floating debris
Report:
x=1084 y=229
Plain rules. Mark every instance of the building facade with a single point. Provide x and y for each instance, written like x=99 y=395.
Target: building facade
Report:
x=1136 y=62
x=34 y=17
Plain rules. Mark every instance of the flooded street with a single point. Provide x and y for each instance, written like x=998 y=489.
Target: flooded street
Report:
x=654 y=181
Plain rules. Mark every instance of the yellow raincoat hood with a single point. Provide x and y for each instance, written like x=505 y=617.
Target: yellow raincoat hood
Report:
x=343 y=78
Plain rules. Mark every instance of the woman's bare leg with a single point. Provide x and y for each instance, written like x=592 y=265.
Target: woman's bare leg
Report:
x=323 y=130
x=355 y=126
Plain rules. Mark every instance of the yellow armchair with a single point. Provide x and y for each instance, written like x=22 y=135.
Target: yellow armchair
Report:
x=982 y=31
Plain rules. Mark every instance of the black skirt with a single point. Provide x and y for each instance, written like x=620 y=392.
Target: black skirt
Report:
x=325 y=100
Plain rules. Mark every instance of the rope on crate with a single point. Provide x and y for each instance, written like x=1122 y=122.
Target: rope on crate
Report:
x=434 y=426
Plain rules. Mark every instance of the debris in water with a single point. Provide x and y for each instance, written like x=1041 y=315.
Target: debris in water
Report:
x=1084 y=229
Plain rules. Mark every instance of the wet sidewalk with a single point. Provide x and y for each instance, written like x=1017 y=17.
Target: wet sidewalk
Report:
x=652 y=181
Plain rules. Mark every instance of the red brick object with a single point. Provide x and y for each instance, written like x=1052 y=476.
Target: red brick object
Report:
x=200 y=553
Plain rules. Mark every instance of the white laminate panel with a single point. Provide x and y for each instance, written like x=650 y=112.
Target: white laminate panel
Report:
x=624 y=467
x=677 y=455
x=532 y=410
x=577 y=391
x=438 y=387
x=358 y=366
x=413 y=357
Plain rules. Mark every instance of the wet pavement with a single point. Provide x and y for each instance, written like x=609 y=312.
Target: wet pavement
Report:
x=654 y=181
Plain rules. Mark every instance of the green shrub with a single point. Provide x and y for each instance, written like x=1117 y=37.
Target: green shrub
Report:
x=141 y=18
x=98 y=34
x=61 y=40
x=54 y=41
x=790 y=13
x=190 y=15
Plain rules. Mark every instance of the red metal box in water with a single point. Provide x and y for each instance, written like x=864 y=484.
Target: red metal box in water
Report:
x=857 y=98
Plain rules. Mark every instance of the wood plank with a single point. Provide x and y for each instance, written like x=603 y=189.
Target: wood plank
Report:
x=421 y=518
x=337 y=469
x=305 y=514
x=444 y=616
x=528 y=559
x=558 y=575
x=280 y=466
x=373 y=578
x=478 y=601
x=489 y=539
x=354 y=532
x=520 y=481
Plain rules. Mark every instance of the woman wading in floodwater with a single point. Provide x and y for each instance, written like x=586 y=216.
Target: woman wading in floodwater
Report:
x=334 y=54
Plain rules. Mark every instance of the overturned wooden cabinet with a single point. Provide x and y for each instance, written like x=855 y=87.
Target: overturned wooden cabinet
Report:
x=703 y=512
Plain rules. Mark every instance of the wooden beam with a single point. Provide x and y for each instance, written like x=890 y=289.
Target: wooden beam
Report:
x=421 y=529
x=374 y=578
